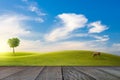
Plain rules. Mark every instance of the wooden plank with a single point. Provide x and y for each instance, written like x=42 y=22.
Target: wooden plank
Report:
x=115 y=68
x=30 y=73
x=111 y=71
x=112 y=67
x=97 y=74
x=8 y=71
x=58 y=73
x=70 y=73
x=50 y=73
x=3 y=68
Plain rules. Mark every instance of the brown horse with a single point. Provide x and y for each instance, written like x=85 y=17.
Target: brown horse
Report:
x=96 y=54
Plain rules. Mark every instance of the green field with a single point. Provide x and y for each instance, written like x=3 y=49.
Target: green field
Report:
x=62 y=58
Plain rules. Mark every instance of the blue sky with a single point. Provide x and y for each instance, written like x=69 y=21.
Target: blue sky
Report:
x=45 y=25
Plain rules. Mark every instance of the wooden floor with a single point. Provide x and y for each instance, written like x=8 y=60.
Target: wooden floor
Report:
x=59 y=73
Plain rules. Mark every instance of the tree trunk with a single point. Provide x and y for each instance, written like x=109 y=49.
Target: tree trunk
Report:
x=14 y=51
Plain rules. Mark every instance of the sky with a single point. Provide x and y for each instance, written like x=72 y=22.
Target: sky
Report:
x=55 y=25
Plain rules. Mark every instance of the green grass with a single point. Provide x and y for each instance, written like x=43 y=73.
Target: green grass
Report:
x=62 y=58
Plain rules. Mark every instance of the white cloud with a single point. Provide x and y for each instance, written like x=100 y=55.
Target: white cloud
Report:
x=97 y=27
x=32 y=6
x=69 y=22
x=100 y=38
x=11 y=25
x=38 y=19
x=80 y=35
x=30 y=45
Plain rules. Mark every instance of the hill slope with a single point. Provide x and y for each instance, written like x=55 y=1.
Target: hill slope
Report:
x=62 y=58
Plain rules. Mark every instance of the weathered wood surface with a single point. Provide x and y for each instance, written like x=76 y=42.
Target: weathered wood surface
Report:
x=50 y=73
x=59 y=73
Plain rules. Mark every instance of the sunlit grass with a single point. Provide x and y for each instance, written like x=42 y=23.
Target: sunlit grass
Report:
x=62 y=58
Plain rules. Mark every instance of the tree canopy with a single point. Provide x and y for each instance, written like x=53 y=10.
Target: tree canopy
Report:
x=13 y=42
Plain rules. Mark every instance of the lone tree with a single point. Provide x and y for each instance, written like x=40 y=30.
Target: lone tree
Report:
x=13 y=42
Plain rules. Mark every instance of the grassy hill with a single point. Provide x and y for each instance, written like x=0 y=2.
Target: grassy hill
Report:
x=62 y=58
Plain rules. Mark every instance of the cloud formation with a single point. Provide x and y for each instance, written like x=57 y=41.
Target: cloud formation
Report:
x=13 y=25
x=33 y=7
x=95 y=37
x=97 y=27
x=69 y=22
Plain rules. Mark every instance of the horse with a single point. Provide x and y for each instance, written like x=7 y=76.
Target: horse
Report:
x=96 y=54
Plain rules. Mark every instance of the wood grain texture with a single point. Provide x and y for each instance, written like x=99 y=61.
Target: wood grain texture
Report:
x=4 y=72
x=29 y=73
x=60 y=73
x=50 y=73
x=97 y=74
x=71 y=73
